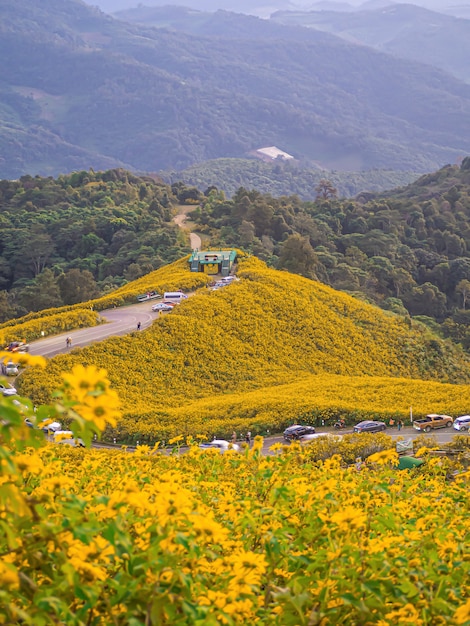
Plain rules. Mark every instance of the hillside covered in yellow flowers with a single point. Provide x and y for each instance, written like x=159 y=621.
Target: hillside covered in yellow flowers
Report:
x=269 y=349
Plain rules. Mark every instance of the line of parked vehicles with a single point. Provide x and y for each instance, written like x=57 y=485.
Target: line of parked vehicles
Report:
x=430 y=422
x=171 y=298
x=223 y=282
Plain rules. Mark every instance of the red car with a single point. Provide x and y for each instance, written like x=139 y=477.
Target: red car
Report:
x=17 y=346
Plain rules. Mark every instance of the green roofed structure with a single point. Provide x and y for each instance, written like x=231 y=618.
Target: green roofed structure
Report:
x=212 y=261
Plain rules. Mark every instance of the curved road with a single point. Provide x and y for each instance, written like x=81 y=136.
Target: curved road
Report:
x=120 y=321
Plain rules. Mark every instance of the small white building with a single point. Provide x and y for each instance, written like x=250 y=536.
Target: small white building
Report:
x=272 y=153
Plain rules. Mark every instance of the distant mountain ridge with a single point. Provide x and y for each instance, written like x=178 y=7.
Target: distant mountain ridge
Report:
x=80 y=89
x=405 y=30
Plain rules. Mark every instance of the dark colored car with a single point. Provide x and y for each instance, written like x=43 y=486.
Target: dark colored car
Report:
x=369 y=426
x=296 y=431
x=17 y=346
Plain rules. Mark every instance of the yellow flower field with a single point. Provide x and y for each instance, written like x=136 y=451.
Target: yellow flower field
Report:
x=51 y=324
x=270 y=349
x=301 y=537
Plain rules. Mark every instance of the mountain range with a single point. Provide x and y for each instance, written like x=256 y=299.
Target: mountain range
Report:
x=404 y=30
x=81 y=89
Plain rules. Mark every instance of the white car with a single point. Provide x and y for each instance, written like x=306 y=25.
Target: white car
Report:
x=50 y=428
x=313 y=436
x=162 y=306
x=10 y=369
x=67 y=438
x=220 y=444
x=462 y=423
x=7 y=390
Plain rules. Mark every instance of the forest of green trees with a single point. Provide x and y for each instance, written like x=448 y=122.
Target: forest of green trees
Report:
x=66 y=240
x=69 y=239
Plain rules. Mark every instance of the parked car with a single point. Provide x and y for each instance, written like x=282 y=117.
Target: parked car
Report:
x=7 y=390
x=314 y=436
x=462 y=423
x=174 y=296
x=53 y=427
x=432 y=421
x=11 y=369
x=17 y=346
x=162 y=306
x=67 y=438
x=220 y=444
x=296 y=431
x=370 y=426
x=150 y=295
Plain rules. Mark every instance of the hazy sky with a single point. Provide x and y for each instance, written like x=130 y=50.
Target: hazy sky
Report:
x=252 y=6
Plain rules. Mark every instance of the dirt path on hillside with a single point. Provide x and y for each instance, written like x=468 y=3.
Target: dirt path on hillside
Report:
x=180 y=220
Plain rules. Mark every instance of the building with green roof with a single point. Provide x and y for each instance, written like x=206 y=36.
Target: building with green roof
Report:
x=212 y=261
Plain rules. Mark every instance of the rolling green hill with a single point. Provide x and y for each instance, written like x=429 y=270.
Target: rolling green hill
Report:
x=81 y=89
x=284 y=178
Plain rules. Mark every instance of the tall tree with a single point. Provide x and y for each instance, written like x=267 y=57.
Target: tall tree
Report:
x=326 y=190
x=38 y=248
x=298 y=256
x=463 y=289
x=41 y=293
x=7 y=311
x=77 y=286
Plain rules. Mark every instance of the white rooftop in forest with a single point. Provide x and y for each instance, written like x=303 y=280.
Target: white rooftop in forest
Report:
x=272 y=152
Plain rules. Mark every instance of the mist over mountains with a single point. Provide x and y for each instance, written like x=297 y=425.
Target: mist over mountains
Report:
x=81 y=89
x=403 y=30
x=264 y=8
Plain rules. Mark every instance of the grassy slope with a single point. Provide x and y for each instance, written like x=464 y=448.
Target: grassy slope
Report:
x=267 y=330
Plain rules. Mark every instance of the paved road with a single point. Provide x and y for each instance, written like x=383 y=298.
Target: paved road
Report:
x=180 y=219
x=442 y=435
x=120 y=321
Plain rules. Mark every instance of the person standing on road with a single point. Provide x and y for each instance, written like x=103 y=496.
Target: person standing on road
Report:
x=248 y=437
x=234 y=437
x=68 y=342
x=139 y=325
x=399 y=424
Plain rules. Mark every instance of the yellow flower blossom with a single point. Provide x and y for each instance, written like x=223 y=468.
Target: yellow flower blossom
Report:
x=446 y=549
x=9 y=578
x=462 y=614
x=406 y=615
x=385 y=457
x=176 y=439
x=142 y=450
x=29 y=463
x=101 y=410
x=348 y=518
x=335 y=603
x=247 y=567
x=84 y=380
